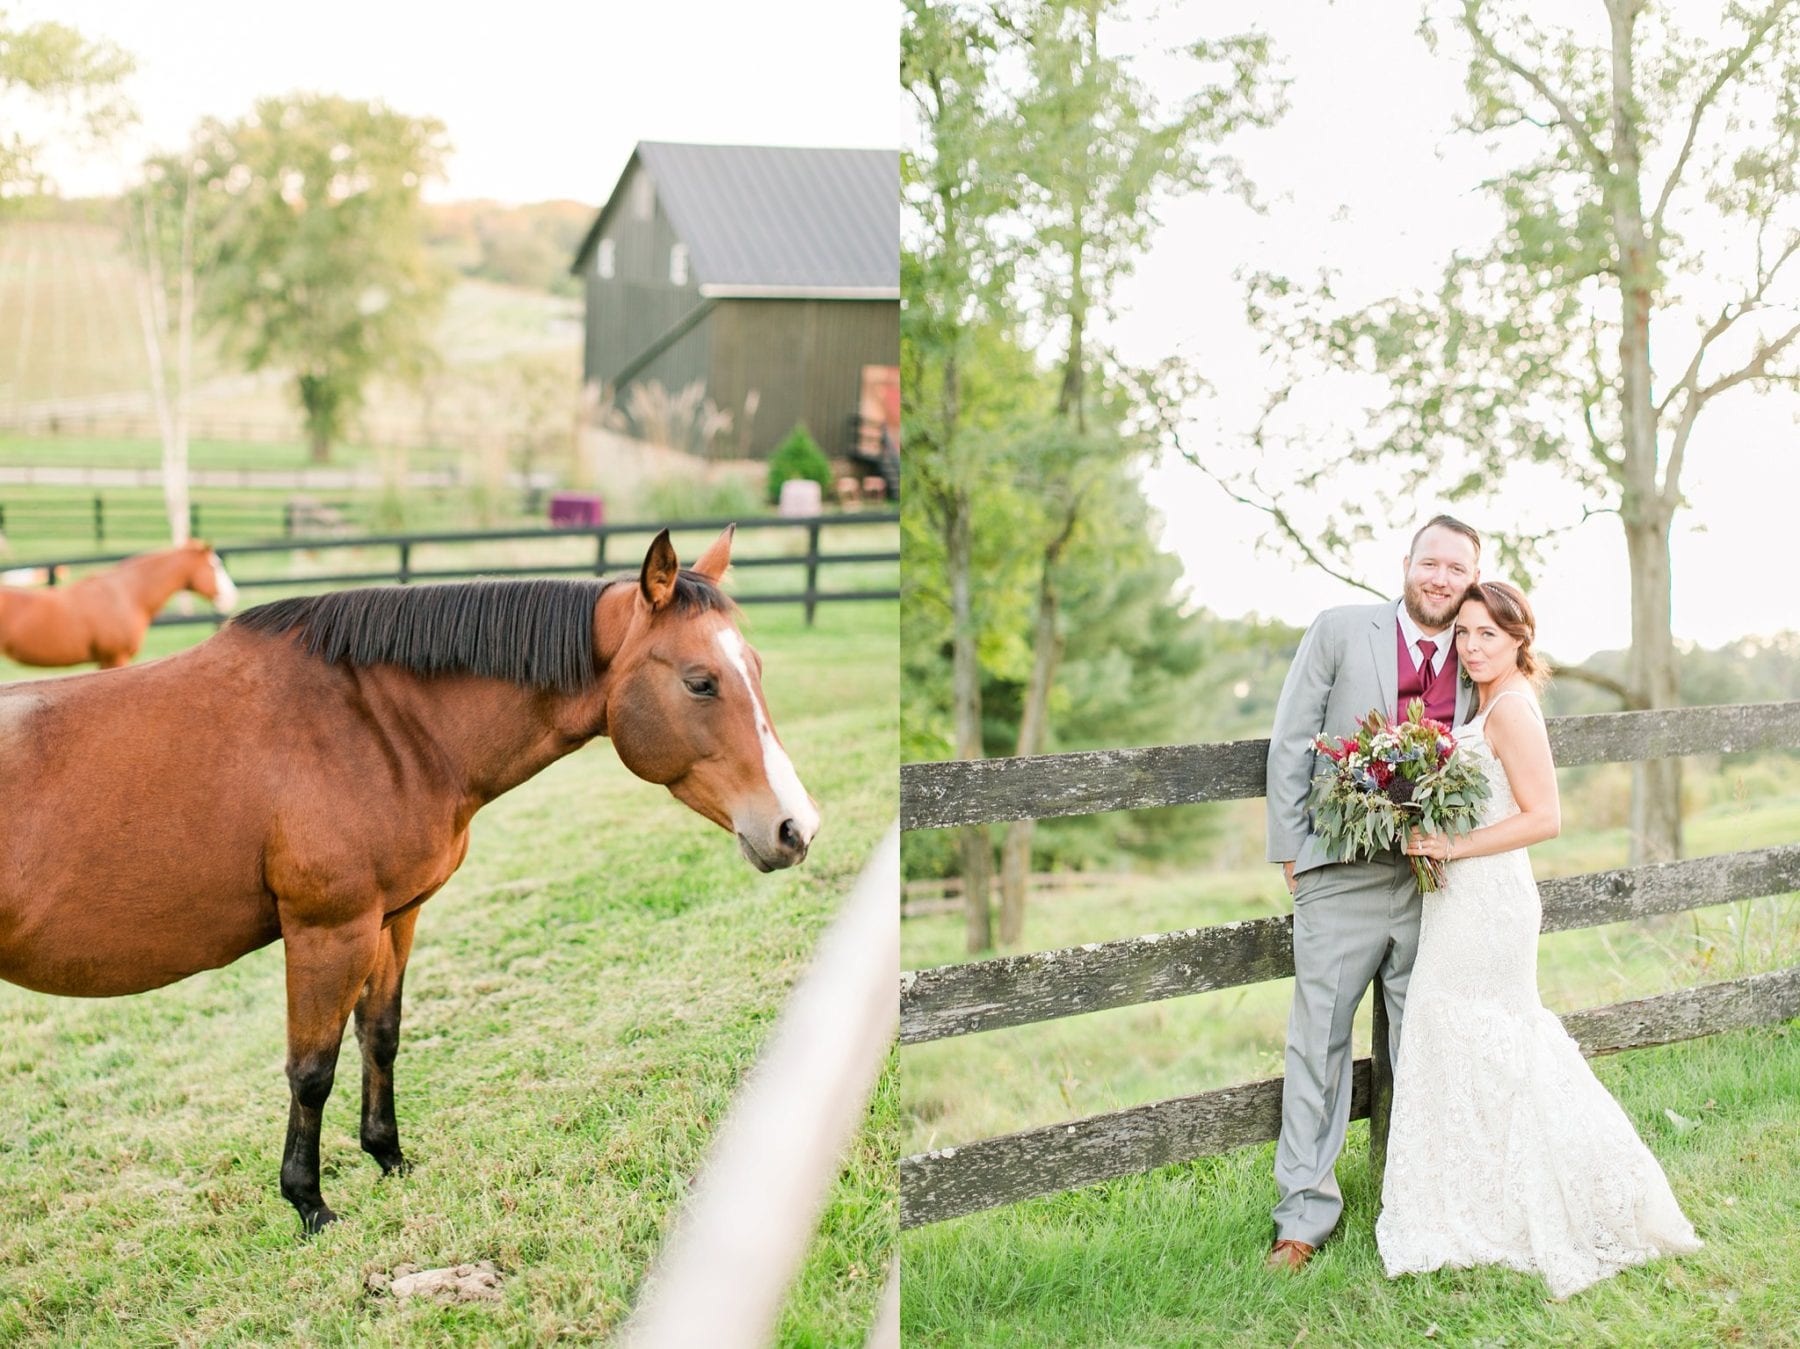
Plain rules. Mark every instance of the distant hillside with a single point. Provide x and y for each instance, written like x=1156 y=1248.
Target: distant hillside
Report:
x=529 y=246
x=71 y=342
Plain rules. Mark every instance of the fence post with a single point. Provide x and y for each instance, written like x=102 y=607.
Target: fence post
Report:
x=287 y=519
x=812 y=570
x=2 y=519
x=1381 y=1086
x=600 y=554
x=405 y=564
x=193 y=519
x=99 y=518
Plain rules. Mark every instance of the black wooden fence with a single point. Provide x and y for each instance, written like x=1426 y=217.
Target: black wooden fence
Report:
x=813 y=560
x=1017 y=990
x=103 y=517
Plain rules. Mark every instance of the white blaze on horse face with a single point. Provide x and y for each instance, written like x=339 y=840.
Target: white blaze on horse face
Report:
x=227 y=588
x=795 y=804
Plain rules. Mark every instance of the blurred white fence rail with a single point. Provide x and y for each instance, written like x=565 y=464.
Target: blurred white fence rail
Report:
x=723 y=1273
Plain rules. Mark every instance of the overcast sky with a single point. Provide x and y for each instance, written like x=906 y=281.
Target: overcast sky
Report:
x=1366 y=176
x=541 y=99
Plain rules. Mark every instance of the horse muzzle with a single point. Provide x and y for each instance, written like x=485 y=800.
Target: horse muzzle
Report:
x=785 y=848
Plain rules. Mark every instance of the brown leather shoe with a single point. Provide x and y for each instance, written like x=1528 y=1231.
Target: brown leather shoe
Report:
x=1288 y=1255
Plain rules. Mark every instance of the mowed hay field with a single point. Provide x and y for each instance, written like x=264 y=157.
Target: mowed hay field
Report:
x=583 y=1000
x=1174 y=1257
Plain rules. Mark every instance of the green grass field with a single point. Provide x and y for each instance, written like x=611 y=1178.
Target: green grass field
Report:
x=584 y=998
x=1174 y=1258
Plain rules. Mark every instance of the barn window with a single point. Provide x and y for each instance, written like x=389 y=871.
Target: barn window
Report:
x=678 y=264
x=643 y=197
x=603 y=258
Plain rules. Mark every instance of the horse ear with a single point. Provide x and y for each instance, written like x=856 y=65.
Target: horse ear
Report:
x=717 y=557
x=657 y=580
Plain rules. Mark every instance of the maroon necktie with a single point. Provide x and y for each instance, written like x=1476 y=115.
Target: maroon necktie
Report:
x=1426 y=651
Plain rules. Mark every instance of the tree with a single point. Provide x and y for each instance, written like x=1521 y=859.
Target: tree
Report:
x=1649 y=206
x=1094 y=156
x=951 y=272
x=323 y=270
x=172 y=246
x=54 y=70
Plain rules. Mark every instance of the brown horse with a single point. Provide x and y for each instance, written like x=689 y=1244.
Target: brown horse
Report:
x=310 y=771
x=104 y=617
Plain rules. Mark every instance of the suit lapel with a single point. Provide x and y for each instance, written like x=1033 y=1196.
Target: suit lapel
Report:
x=1386 y=647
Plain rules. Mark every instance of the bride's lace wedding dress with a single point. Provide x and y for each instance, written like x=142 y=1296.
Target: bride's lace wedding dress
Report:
x=1504 y=1149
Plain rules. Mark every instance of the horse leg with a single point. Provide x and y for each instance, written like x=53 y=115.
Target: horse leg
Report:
x=326 y=970
x=378 y=1030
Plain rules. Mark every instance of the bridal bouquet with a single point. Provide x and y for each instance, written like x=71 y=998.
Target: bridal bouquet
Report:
x=1390 y=778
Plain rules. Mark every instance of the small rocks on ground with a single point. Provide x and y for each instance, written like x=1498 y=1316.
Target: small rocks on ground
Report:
x=479 y=1282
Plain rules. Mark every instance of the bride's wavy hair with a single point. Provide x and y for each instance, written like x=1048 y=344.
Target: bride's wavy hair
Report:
x=1512 y=614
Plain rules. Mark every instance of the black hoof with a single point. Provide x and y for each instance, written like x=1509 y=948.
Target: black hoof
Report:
x=397 y=1165
x=312 y=1221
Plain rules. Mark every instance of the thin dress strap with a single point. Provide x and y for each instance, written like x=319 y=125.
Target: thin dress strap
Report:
x=1520 y=693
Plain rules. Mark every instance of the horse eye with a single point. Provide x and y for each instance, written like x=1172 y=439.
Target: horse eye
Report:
x=703 y=688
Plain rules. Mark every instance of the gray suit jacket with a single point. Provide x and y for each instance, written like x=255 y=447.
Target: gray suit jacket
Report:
x=1347 y=664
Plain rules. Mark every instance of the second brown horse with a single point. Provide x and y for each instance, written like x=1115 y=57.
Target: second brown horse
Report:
x=103 y=618
x=310 y=772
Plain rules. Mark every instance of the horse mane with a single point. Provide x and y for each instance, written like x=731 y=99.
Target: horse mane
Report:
x=537 y=633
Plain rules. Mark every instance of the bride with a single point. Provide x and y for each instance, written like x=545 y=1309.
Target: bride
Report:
x=1504 y=1148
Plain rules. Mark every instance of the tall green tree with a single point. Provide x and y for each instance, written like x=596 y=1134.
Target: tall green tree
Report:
x=1643 y=274
x=53 y=70
x=951 y=273
x=1095 y=155
x=323 y=269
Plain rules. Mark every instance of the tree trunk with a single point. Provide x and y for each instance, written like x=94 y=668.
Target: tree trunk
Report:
x=175 y=450
x=1034 y=719
x=1656 y=786
x=1069 y=396
x=965 y=669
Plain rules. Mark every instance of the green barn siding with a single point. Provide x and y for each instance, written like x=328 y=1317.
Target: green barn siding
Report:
x=804 y=358
x=628 y=313
x=679 y=365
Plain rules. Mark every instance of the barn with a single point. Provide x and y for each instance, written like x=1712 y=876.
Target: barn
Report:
x=770 y=274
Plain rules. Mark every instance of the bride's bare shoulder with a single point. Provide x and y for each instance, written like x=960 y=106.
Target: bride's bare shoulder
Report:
x=1516 y=718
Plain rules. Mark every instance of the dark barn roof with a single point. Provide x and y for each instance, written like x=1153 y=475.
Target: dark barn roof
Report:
x=764 y=220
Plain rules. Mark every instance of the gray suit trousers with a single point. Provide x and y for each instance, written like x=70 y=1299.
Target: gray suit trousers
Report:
x=1352 y=922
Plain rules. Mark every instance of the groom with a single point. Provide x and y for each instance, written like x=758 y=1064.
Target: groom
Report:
x=1352 y=920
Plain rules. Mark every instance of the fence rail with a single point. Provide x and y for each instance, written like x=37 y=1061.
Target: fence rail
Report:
x=410 y=433
x=1019 y=990
x=813 y=560
x=739 y=1239
x=1042 y=787
x=953 y=1182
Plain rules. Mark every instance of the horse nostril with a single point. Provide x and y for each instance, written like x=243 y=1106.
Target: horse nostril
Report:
x=790 y=837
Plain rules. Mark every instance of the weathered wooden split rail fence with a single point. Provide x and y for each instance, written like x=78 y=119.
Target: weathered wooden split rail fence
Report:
x=1018 y=990
x=405 y=572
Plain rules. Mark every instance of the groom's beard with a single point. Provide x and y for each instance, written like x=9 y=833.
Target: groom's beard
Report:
x=1418 y=604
